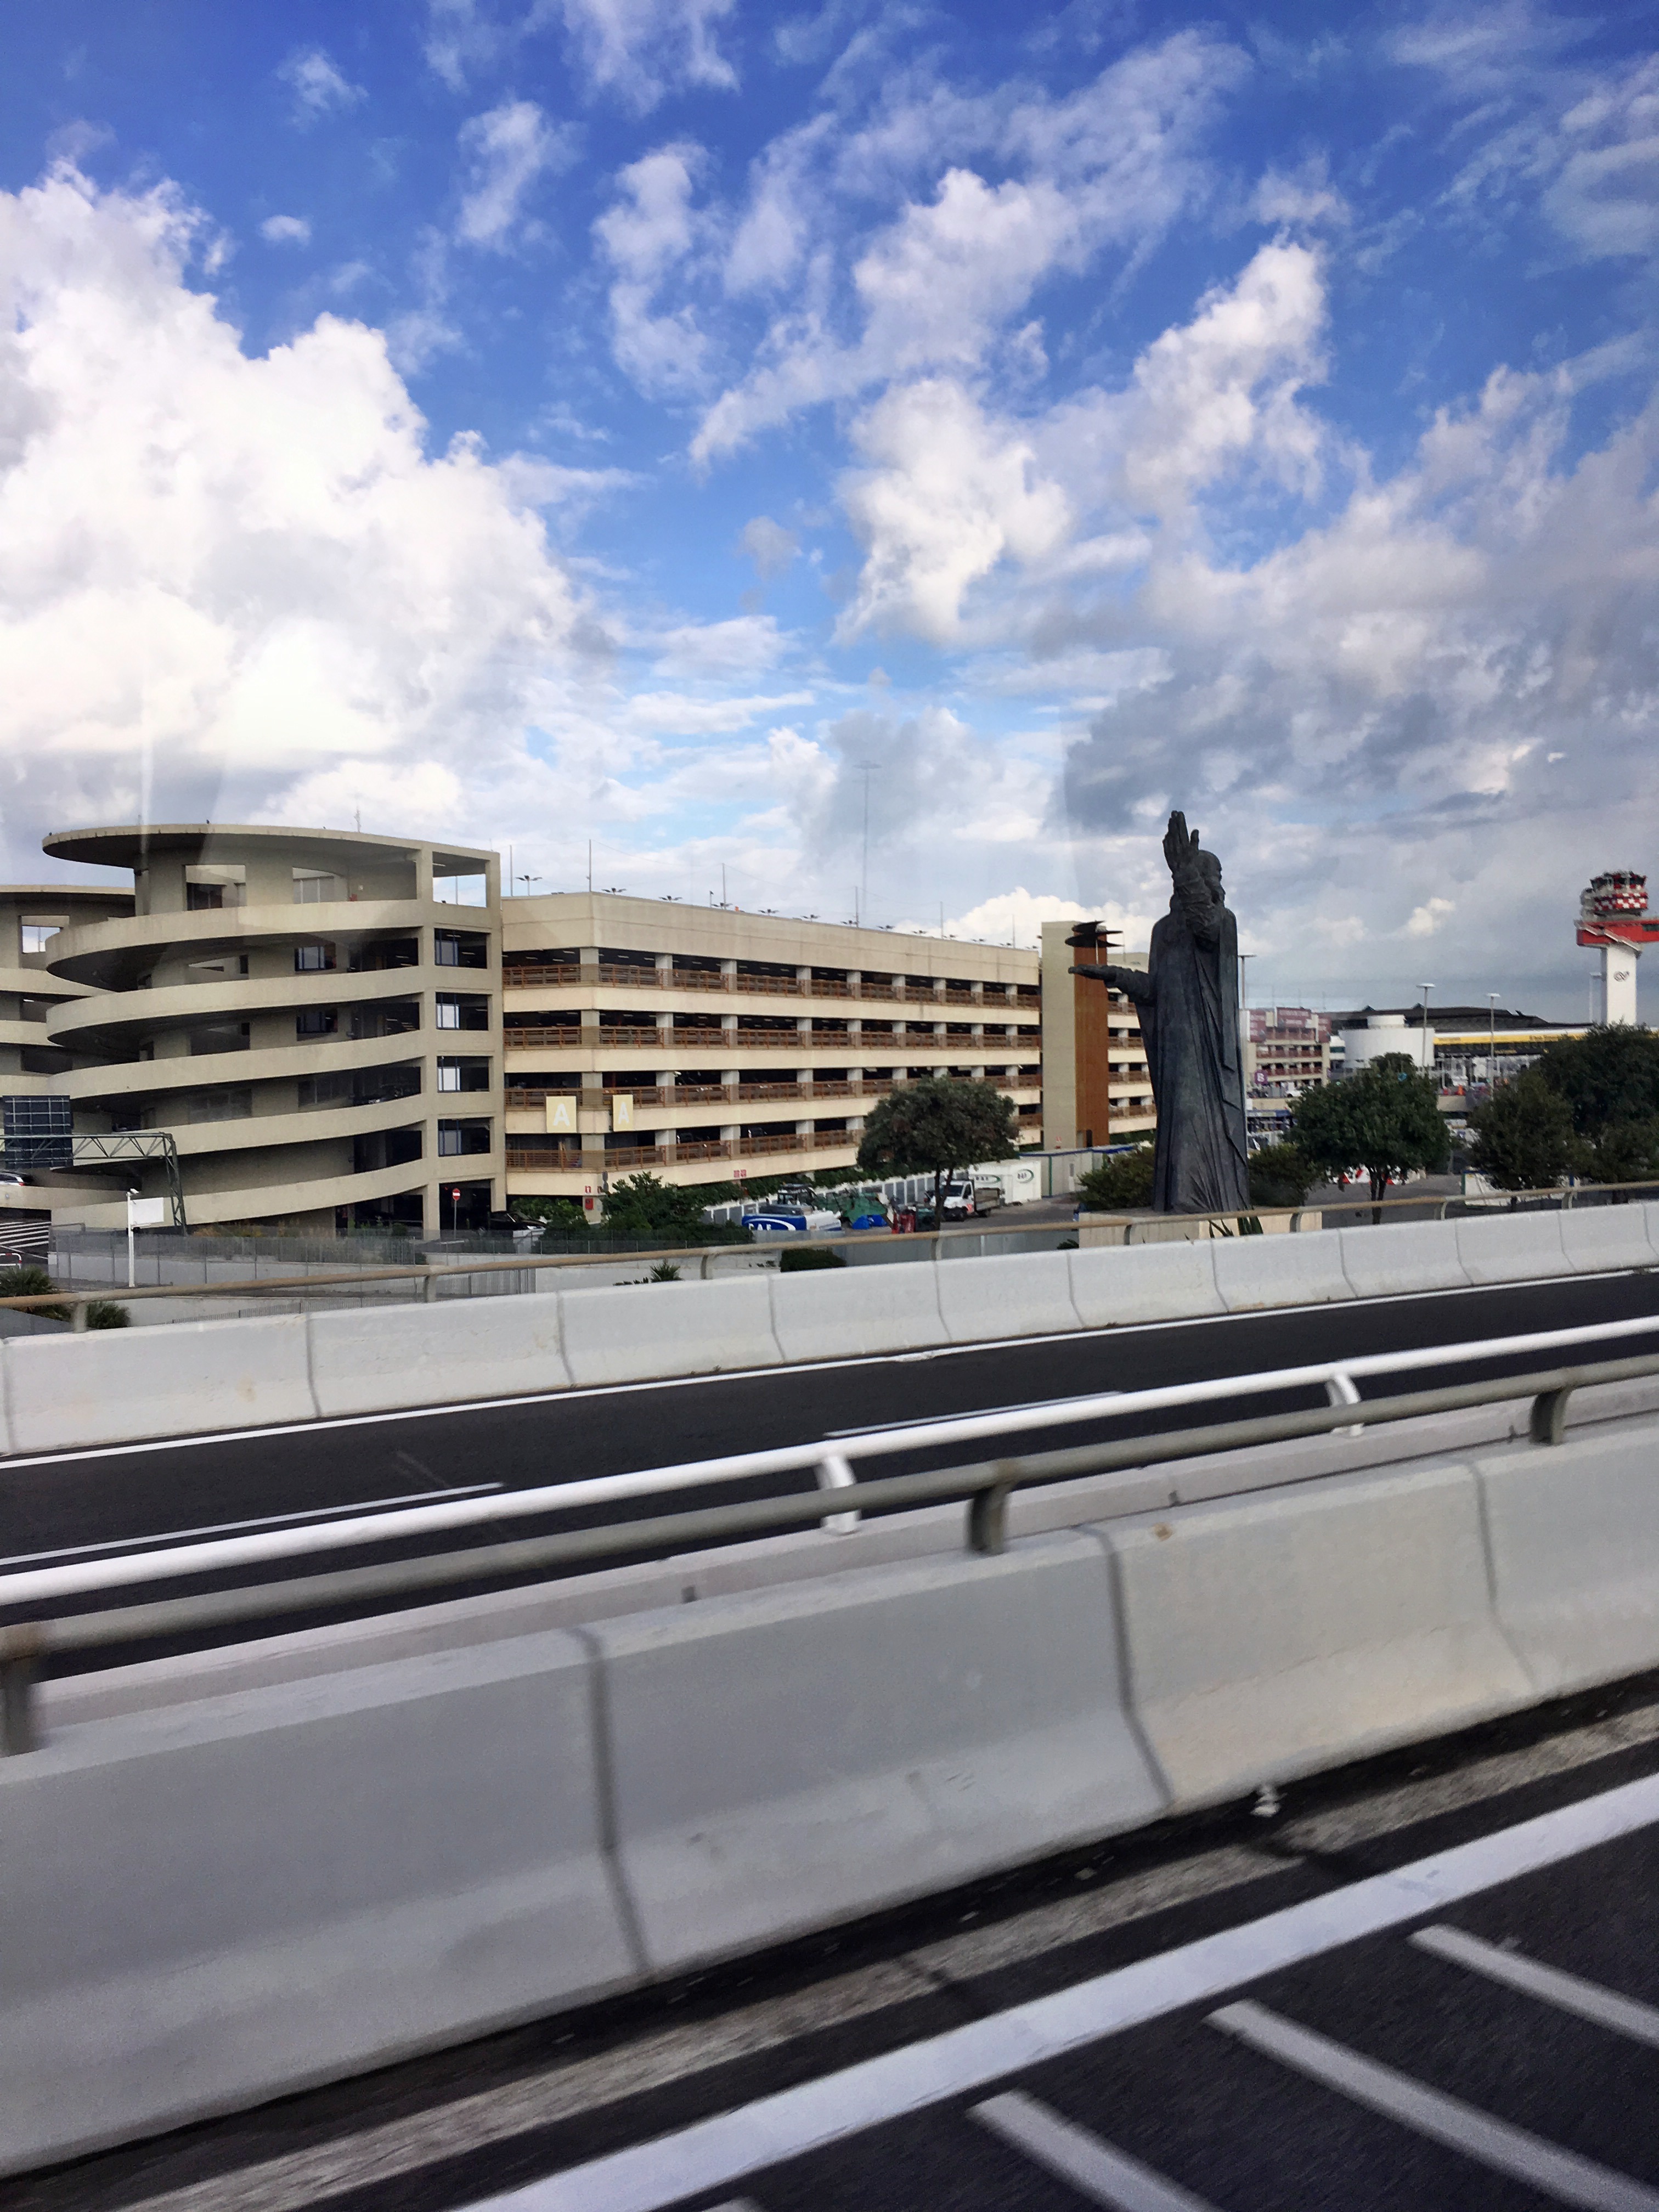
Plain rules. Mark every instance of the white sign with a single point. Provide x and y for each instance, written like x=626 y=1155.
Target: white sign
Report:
x=561 y=1112
x=622 y=1109
x=147 y=1213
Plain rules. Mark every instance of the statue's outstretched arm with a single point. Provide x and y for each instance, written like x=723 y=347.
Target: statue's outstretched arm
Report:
x=1134 y=982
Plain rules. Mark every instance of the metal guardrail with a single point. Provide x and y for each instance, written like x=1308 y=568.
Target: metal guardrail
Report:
x=431 y=1274
x=984 y=1485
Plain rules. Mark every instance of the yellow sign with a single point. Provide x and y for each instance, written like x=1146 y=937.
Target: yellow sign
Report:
x=622 y=1110
x=561 y=1112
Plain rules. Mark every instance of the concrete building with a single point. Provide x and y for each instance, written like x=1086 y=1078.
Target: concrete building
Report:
x=1464 y=1045
x=705 y=1044
x=1288 y=1051
x=1097 y=1088
x=313 y=1015
x=31 y=916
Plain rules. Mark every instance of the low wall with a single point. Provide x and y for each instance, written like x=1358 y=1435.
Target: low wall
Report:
x=70 y=1392
x=254 y=1885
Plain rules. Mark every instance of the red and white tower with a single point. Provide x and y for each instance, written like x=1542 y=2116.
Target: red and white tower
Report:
x=1612 y=914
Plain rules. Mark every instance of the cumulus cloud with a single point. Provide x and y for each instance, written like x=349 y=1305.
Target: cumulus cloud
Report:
x=1110 y=167
x=507 y=150
x=637 y=50
x=318 y=86
x=648 y=233
x=285 y=230
x=231 y=584
x=769 y=546
x=947 y=495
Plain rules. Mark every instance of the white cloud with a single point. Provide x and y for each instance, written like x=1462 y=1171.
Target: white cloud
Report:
x=1108 y=166
x=648 y=231
x=224 y=578
x=285 y=230
x=639 y=50
x=769 y=546
x=743 y=646
x=318 y=84
x=1016 y=917
x=947 y=495
x=1425 y=920
x=508 y=149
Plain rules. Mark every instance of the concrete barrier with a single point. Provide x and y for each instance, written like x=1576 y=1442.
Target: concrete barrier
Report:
x=1574 y=1533
x=211 y=1904
x=112 y=1386
x=651 y=1329
x=1274 y=1635
x=844 y=1313
x=786 y=1760
x=1255 y=1271
x=1510 y=1248
x=1027 y=1296
x=1401 y=1260
x=1598 y=1237
x=1117 y=1285
x=366 y=1362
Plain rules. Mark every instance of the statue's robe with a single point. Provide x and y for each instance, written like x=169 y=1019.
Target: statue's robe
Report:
x=1187 y=999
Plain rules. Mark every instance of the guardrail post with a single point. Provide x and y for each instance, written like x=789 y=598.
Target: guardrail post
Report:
x=1340 y=1389
x=988 y=1519
x=18 y=1648
x=78 y=1317
x=834 y=1472
x=1548 y=1422
x=429 y=1288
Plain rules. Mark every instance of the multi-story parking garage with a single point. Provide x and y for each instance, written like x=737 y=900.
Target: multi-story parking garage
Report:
x=703 y=1043
x=314 y=1016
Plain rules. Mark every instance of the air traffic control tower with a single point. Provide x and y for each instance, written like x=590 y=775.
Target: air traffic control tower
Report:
x=1612 y=914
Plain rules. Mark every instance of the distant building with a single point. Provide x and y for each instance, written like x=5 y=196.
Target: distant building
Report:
x=706 y=1044
x=1288 y=1052
x=1467 y=1047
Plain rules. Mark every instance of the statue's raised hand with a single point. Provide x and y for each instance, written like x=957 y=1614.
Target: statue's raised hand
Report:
x=1180 y=848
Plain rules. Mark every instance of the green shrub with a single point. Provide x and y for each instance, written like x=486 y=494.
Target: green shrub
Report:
x=665 y=1272
x=802 y=1260
x=29 y=1283
x=1121 y=1184
x=1281 y=1176
x=104 y=1313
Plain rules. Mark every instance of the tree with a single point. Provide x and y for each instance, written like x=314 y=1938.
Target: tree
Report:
x=935 y=1126
x=1121 y=1184
x=1523 y=1135
x=1610 y=1075
x=1280 y=1174
x=644 y=1206
x=1386 y=1119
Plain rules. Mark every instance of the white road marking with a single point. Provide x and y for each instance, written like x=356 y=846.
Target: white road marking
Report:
x=926 y=1421
x=1091 y=2166
x=1566 y=1992
x=233 y=1527
x=730 y=2147
x=1525 y=2157
x=1114 y=1332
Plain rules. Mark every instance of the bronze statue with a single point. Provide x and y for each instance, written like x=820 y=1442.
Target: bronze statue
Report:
x=1188 y=996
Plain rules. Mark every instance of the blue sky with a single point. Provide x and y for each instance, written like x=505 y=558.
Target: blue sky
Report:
x=634 y=420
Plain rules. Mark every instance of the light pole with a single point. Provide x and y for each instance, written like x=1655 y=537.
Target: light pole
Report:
x=1426 y=1057
x=1492 y=1033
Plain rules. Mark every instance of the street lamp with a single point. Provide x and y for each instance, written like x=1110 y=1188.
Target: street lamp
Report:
x=1492 y=1031
x=1426 y=1058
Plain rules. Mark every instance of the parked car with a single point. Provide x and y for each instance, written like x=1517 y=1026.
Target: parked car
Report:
x=513 y=1225
x=959 y=1201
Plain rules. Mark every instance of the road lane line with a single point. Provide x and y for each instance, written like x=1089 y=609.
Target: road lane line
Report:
x=71 y=1552
x=1562 y=2174
x=730 y=2147
x=1566 y=1992
x=1095 y=2169
x=1115 y=1333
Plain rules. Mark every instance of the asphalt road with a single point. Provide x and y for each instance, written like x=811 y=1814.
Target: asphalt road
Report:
x=61 y=1505
x=1431 y=1980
